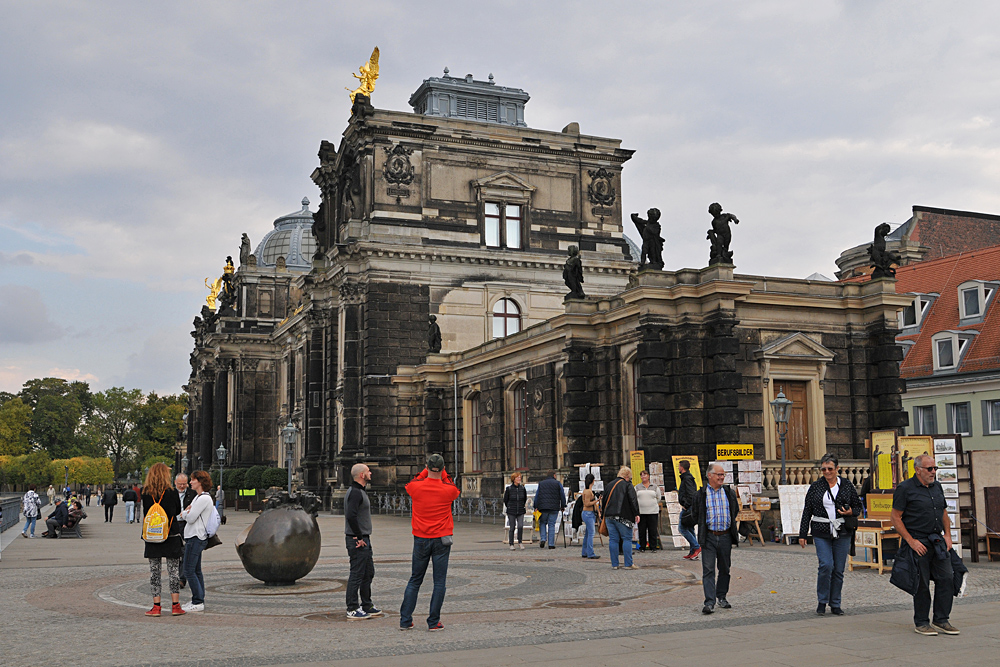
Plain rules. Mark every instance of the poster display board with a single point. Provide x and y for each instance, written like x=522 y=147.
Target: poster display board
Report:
x=911 y=447
x=792 y=499
x=695 y=469
x=637 y=460
x=884 y=448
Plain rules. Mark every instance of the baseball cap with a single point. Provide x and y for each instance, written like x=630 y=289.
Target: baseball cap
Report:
x=435 y=463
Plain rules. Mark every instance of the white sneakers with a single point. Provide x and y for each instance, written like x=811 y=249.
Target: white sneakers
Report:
x=190 y=606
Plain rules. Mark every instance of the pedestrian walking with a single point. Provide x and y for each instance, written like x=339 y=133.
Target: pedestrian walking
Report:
x=109 y=502
x=589 y=517
x=648 y=496
x=828 y=504
x=620 y=508
x=715 y=509
x=432 y=492
x=195 y=517
x=515 y=498
x=100 y=495
x=130 y=497
x=358 y=530
x=51 y=493
x=686 y=494
x=157 y=490
x=550 y=500
x=31 y=505
x=920 y=516
x=86 y=493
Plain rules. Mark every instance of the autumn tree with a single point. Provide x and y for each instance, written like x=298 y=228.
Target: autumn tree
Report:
x=15 y=427
x=113 y=425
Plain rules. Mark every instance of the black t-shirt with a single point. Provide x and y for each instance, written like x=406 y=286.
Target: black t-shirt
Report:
x=922 y=507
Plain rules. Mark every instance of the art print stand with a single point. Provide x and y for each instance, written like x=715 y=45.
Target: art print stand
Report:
x=873 y=531
x=746 y=474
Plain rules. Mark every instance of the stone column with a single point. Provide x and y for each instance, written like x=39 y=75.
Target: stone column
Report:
x=313 y=431
x=724 y=382
x=220 y=416
x=206 y=415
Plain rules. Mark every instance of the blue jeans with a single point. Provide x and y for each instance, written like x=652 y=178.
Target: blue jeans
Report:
x=548 y=520
x=192 y=568
x=688 y=534
x=832 y=555
x=426 y=550
x=619 y=533
x=129 y=511
x=589 y=519
x=29 y=521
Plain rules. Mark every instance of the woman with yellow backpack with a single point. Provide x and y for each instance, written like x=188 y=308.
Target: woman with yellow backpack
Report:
x=160 y=505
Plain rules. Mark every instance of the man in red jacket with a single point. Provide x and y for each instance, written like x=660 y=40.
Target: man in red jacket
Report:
x=432 y=492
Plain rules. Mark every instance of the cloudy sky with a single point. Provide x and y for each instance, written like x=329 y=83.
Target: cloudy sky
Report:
x=139 y=140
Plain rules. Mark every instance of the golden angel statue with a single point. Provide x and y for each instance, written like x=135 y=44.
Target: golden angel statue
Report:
x=369 y=72
x=215 y=288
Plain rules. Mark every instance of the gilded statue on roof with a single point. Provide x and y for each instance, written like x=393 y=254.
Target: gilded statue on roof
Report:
x=367 y=77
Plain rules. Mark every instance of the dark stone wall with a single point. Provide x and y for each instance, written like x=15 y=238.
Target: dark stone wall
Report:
x=541 y=436
x=492 y=439
x=592 y=404
x=884 y=385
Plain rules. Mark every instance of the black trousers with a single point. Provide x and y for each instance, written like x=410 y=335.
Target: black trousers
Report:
x=716 y=550
x=362 y=573
x=109 y=512
x=944 y=584
x=648 y=531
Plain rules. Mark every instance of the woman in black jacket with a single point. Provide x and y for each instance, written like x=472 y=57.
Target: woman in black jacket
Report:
x=620 y=508
x=515 y=497
x=829 y=501
x=158 y=489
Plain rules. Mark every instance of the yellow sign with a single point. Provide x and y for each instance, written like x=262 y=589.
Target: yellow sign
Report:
x=695 y=469
x=884 y=466
x=879 y=505
x=733 y=452
x=638 y=461
x=883 y=440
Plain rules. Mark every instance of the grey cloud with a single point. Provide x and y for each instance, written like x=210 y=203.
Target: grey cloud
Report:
x=24 y=317
x=15 y=259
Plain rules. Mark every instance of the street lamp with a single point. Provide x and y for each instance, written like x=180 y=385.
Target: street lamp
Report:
x=67 y=478
x=184 y=464
x=220 y=456
x=289 y=435
x=781 y=407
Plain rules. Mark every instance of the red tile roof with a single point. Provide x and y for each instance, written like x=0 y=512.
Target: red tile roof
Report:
x=943 y=276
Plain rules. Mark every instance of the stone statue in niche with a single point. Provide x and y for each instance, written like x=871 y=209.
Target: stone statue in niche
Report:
x=433 y=336
x=652 y=243
x=720 y=235
x=573 y=274
x=882 y=259
x=244 y=250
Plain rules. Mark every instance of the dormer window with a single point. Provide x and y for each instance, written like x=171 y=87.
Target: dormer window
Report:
x=913 y=315
x=974 y=298
x=949 y=347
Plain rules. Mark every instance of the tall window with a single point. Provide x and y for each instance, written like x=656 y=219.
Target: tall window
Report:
x=970 y=299
x=506 y=318
x=959 y=418
x=477 y=462
x=520 y=427
x=502 y=225
x=924 y=420
x=991 y=412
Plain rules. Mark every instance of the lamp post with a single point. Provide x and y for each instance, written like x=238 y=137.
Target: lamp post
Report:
x=220 y=456
x=289 y=435
x=67 y=479
x=781 y=407
x=184 y=464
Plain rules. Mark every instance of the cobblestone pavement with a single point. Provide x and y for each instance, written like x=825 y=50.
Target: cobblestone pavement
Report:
x=497 y=599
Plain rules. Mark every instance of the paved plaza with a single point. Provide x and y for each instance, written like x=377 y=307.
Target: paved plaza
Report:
x=502 y=607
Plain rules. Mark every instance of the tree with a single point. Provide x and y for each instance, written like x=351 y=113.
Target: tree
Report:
x=160 y=425
x=15 y=427
x=113 y=425
x=34 y=468
x=252 y=479
x=274 y=477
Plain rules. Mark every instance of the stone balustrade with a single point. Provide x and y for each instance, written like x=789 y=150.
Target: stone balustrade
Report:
x=807 y=472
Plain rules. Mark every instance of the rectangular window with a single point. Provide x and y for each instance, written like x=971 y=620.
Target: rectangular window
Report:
x=477 y=463
x=970 y=298
x=513 y=215
x=960 y=418
x=925 y=420
x=520 y=428
x=991 y=416
x=910 y=315
x=502 y=225
x=492 y=216
x=946 y=353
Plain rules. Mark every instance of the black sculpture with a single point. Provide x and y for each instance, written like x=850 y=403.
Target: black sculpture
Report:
x=244 y=250
x=433 y=335
x=652 y=243
x=720 y=235
x=573 y=274
x=283 y=543
x=227 y=295
x=882 y=259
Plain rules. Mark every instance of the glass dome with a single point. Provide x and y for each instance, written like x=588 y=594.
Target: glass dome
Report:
x=292 y=239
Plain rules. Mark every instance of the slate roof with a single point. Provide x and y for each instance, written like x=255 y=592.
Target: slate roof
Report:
x=943 y=276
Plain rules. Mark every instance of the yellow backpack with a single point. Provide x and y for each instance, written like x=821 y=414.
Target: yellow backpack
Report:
x=156 y=525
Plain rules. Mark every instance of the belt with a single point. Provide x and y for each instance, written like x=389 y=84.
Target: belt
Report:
x=719 y=532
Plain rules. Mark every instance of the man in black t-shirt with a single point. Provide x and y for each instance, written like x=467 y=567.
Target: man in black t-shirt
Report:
x=920 y=516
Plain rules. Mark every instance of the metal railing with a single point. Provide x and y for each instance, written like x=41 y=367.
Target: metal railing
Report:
x=11 y=512
x=402 y=505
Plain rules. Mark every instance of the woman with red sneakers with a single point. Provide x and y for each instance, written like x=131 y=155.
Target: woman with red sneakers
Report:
x=158 y=489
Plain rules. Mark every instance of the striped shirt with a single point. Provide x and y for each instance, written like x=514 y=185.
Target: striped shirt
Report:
x=717 y=516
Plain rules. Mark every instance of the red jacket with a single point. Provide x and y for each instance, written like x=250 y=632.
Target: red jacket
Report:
x=432 y=500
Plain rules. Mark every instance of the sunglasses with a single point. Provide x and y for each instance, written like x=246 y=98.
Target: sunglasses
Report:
x=827 y=469
x=930 y=468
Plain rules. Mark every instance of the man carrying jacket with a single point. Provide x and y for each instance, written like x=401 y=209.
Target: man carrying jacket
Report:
x=685 y=496
x=432 y=492
x=550 y=499
x=715 y=508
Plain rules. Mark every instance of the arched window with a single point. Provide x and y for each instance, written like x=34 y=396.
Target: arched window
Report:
x=506 y=318
x=520 y=427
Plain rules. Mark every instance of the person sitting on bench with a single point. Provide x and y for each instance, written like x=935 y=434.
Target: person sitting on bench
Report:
x=59 y=517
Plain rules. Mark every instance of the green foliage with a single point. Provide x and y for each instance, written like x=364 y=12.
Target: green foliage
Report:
x=252 y=479
x=148 y=463
x=239 y=478
x=113 y=425
x=214 y=474
x=33 y=468
x=274 y=477
x=83 y=470
x=15 y=426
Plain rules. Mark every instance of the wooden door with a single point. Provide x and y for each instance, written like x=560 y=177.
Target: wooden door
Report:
x=797 y=439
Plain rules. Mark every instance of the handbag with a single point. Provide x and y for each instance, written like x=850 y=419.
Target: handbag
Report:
x=851 y=521
x=603 y=530
x=213 y=541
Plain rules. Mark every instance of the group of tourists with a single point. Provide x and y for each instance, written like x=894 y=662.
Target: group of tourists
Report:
x=66 y=513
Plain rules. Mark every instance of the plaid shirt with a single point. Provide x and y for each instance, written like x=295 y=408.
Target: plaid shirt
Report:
x=717 y=502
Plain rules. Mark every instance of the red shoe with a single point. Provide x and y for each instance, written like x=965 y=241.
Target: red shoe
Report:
x=176 y=610
x=155 y=611
x=696 y=553
x=687 y=556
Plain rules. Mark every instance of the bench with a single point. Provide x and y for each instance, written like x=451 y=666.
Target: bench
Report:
x=72 y=530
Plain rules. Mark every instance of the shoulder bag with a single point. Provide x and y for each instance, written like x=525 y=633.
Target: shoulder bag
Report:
x=603 y=530
x=850 y=521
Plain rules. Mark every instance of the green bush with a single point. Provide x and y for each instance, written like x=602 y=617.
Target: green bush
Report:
x=274 y=477
x=229 y=478
x=239 y=476
x=214 y=474
x=252 y=479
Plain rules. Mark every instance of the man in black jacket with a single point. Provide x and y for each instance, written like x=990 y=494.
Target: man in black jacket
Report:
x=130 y=497
x=109 y=501
x=358 y=530
x=550 y=499
x=57 y=519
x=715 y=509
x=685 y=496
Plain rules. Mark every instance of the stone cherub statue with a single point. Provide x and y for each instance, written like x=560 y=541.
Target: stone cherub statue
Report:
x=573 y=274
x=882 y=259
x=244 y=250
x=433 y=335
x=652 y=243
x=720 y=235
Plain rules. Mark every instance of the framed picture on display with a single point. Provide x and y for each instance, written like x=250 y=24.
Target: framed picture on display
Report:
x=950 y=490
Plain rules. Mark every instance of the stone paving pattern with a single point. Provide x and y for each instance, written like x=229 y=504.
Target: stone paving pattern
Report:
x=508 y=604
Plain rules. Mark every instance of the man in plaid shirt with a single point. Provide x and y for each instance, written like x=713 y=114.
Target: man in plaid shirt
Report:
x=715 y=509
